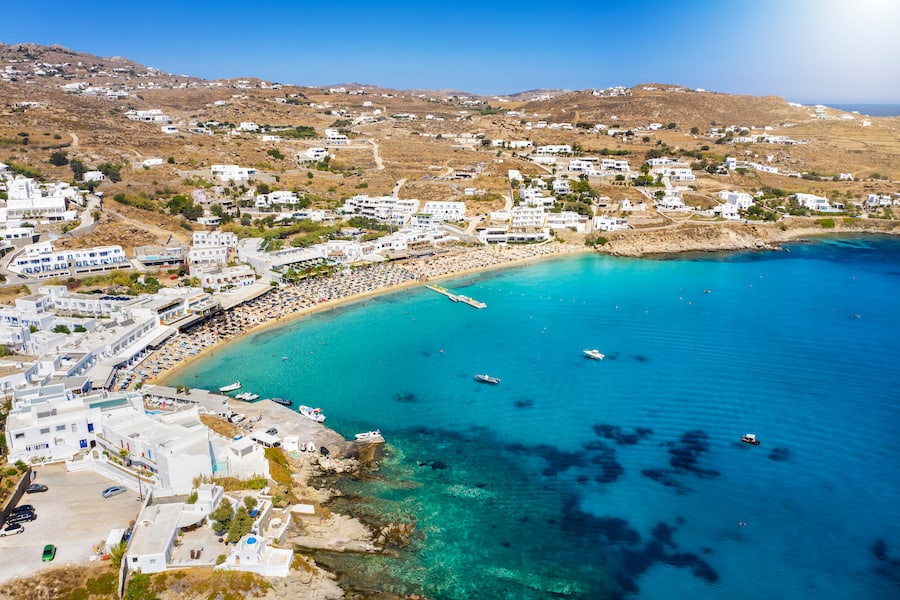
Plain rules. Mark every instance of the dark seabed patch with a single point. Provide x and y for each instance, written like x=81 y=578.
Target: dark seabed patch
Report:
x=621 y=436
x=406 y=398
x=779 y=454
x=637 y=557
x=524 y=403
x=557 y=460
x=685 y=455
x=641 y=358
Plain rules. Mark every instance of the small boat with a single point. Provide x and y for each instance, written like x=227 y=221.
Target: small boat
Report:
x=312 y=413
x=282 y=401
x=595 y=354
x=247 y=396
x=485 y=378
x=750 y=438
x=231 y=387
x=370 y=436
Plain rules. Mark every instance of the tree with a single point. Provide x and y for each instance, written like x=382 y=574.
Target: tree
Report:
x=112 y=172
x=59 y=159
x=695 y=130
x=61 y=329
x=241 y=524
x=262 y=188
x=223 y=515
x=78 y=169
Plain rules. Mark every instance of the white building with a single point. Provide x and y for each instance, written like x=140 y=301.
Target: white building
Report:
x=153 y=115
x=386 y=209
x=223 y=278
x=40 y=260
x=582 y=165
x=253 y=554
x=607 y=223
x=671 y=201
x=742 y=200
x=232 y=172
x=312 y=154
x=47 y=203
x=613 y=164
x=562 y=186
x=527 y=217
x=445 y=211
x=94 y=176
x=553 y=149
x=334 y=138
x=566 y=219
x=813 y=202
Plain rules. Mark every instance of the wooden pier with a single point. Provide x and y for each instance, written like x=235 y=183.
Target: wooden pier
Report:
x=457 y=297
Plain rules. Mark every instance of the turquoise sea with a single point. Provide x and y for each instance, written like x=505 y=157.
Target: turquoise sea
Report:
x=621 y=478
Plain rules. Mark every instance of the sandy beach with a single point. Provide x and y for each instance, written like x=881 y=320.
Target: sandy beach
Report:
x=292 y=301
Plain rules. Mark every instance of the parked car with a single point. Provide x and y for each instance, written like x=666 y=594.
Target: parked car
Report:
x=22 y=508
x=49 y=553
x=21 y=517
x=35 y=488
x=113 y=490
x=12 y=529
x=272 y=431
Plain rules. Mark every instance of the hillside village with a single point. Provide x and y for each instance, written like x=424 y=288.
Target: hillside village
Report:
x=139 y=207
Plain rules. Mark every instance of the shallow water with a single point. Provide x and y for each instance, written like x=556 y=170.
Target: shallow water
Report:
x=595 y=479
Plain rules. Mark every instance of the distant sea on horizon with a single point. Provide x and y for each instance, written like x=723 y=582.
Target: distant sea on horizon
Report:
x=872 y=110
x=621 y=478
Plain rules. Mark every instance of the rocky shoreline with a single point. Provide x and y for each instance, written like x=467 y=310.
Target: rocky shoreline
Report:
x=709 y=237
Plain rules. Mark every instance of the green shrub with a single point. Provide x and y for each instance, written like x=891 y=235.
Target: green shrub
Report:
x=826 y=223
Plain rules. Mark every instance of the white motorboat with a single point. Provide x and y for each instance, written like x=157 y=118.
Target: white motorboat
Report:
x=595 y=354
x=750 y=438
x=312 y=413
x=485 y=378
x=370 y=436
x=231 y=387
x=247 y=396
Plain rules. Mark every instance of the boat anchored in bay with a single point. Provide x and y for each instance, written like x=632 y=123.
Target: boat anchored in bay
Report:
x=230 y=387
x=750 y=438
x=595 y=354
x=485 y=378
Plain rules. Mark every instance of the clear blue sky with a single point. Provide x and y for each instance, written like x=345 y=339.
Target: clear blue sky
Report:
x=803 y=50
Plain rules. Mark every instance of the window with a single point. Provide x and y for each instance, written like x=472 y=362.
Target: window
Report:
x=19 y=436
x=60 y=427
x=90 y=428
x=45 y=430
x=74 y=427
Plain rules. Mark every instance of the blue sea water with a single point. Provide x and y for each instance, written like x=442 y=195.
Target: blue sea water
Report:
x=623 y=477
x=872 y=110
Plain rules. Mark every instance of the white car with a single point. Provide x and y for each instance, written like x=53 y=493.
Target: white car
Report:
x=237 y=418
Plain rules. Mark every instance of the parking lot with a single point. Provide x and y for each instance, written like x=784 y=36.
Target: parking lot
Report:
x=72 y=514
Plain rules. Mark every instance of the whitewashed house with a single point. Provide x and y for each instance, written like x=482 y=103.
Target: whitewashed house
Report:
x=607 y=223
x=223 y=278
x=742 y=200
x=813 y=202
x=231 y=172
x=566 y=219
x=445 y=211
x=40 y=260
